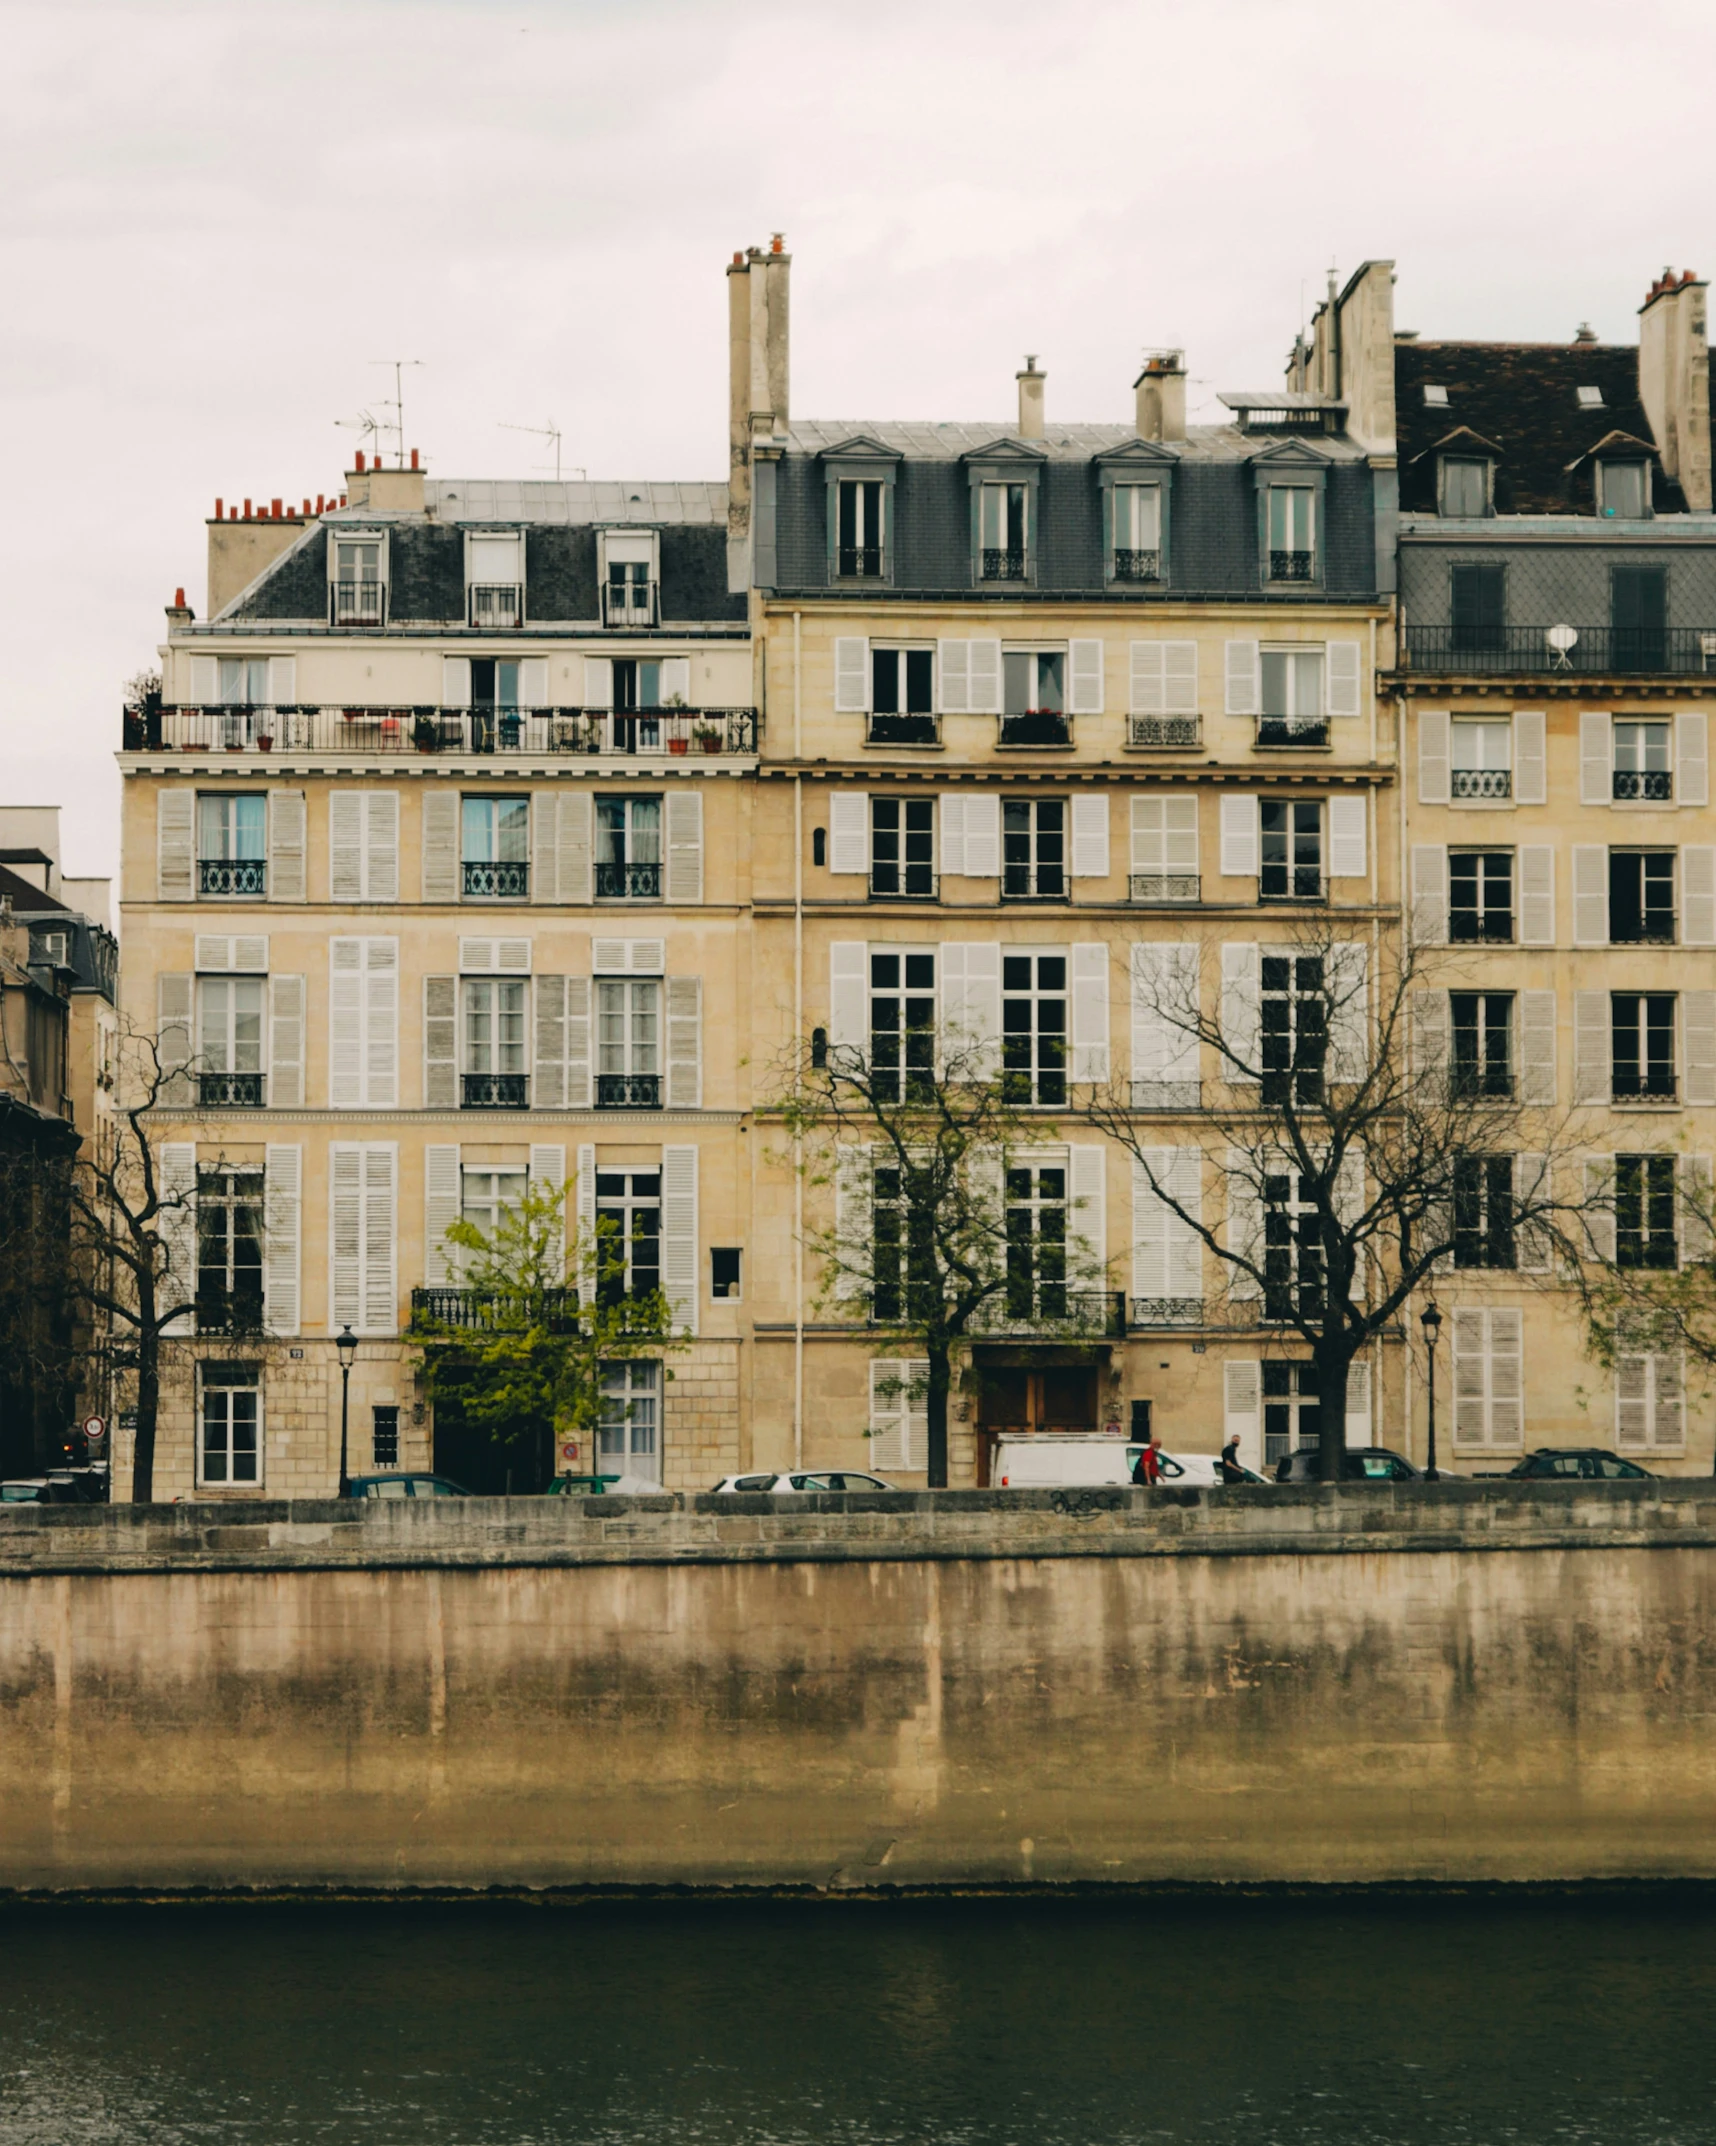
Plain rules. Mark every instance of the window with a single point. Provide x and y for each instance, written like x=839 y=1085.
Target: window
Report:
x=726 y=1267
x=1435 y=396
x=1483 y=1211
x=902 y=1258
x=628 y=576
x=1642 y=1045
x=1638 y=618
x=628 y=1220
x=902 y=696
x=1292 y=683
x=1488 y=1386
x=902 y=1024
x=628 y=849
x=486 y=1195
x=1290 y=858
x=628 y=1044
x=1481 y=757
x=1589 y=398
x=642 y=684
x=1478 y=607
x=628 y=1434
x=229 y=1041
x=902 y=846
x=231 y=1447
x=1642 y=773
x=1644 y=1211
x=494 y=579
x=858 y=531
x=1480 y=897
x=1033 y=849
x=243 y=681
x=1034 y=1028
x=1002 y=532
x=1641 y=897
x=1292 y=1416
x=1033 y=697
x=384 y=1436
x=1483 y=1042
x=1292 y=532
x=1621 y=489
x=495 y=1077
x=1292 y=1249
x=232 y=844
x=495 y=847
x=359 y=592
x=1465 y=486
x=229 y=1251
x=1294 y=1028
x=1036 y=1243
x=1137 y=510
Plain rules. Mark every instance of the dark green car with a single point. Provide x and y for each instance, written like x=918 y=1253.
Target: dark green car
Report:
x=1585 y=1464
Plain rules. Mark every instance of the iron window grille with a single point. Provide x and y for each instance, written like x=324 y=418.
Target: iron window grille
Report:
x=496 y=604
x=230 y=1091
x=232 y=875
x=497 y=1091
x=1160 y=732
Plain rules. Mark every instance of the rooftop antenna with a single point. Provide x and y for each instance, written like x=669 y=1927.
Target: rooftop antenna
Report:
x=397 y=405
x=365 y=422
x=549 y=431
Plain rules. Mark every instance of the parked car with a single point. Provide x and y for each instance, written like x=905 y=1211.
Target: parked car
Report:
x=87 y=1485
x=38 y=1490
x=1359 y=1464
x=768 y=1483
x=1588 y=1464
x=580 y=1486
x=408 y=1485
x=1198 y=1470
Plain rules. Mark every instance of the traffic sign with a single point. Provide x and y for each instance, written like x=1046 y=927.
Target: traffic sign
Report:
x=94 y=1429
x=569 y=1451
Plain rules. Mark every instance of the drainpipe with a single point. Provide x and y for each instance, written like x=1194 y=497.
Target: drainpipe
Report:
x=798 y=1041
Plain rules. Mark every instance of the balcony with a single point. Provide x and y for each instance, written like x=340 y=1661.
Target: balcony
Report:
x=1137 y=565
x=911 y=729
x=357 y=603
x=1484 y=782
x=230 y=1091
x=1165 y=1311
x=378 y=730
x=1050 y=1312
x=628 y=1091
x=1292 y=566
x=1037 y=727
x=1152 y=888
x=495 y=1091
x=1647 y=786
x=858 y=562
x=1656 y=1084
x=1291 y=883
x=1609 y=651
x=497 y=882
x=1164 y=733
x=1292 y=732
x=629 y=603
x=628 y=882
x=999 y=565
x=495 y=604
x=1167 y=1094
x=232 y=875
x=1034 y=883
x=487 y=1311
x=904 y=883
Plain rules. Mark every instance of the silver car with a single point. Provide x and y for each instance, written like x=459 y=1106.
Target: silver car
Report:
x=768 y=1483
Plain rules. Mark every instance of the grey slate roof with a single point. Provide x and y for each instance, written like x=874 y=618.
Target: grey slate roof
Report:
x=499 y=499
x=1063 y=443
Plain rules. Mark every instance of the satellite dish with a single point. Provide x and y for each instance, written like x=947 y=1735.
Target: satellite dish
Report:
x=1562 y=638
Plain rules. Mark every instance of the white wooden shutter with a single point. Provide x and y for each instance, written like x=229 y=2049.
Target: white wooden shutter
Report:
x=1530 y=758
x=578 y=1043
x=441 y=846
x=1596 y=759
x=1084 y=663
x=851 y=675
x=346 y=1024
x=1433 y=758
x=1241 y=1010
x=584 y=1199
x=1087 y=1222
x=1590 y=894
x=1239 y=840
x=286 y=1043
x=1531 y=1192
x=176 y=1228
x=1698 y=896
x=1090 y=1011
x=441 y=1203
x=533 y=682
x=1347 y=816
x=346 y=1236
x=684 y=996
x=455 y=681
x=547 y=1173
x=1349 y=1010
x=953 y=676
x=899 y=1414
x=598 y=682
x=983 y=836
x=675 y=680
x=286 y=846
x=545 y=847
x=1242 y=1409
x=854 y=1200
x=380 y=1238
x=205 y=681
x=175 y=845
x=381 y=847
x=1242 y=678
x=575 y=883
x=683 y=880
x=175 y=1013
x=1358 y=1430
x=849 y=831
x=1164 y=1052
x=849 y=996
x=1650 y=1400
x=345 y=845
x=1148 y=673
x=1180 y=662
x=985 y=677
x=440 y=1043
x=1537 y=895
x=1430 y=893
x=1698 y=1045
x=1090 y=836
x=679 y=1234
x=1693 y=1181
x=971 y=1004
x=1489 y=1389
x=282 y=1293
x=1430 y=1041
x=1346 y=671
x=628 y=957
x=1537 y=1047
x=1599 y=1213
x=1167 y=1253
x=1591 y=1065
x=548 y=1075
x=1244 y=1234
x=381 y=1023
x=217 y=954
x=1692 y=758
x=952 y=835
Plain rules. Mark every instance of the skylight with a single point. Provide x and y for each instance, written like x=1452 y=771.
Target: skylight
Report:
x=1590 y=398
x=1436 y=397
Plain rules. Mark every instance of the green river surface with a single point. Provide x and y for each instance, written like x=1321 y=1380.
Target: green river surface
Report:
x=1262 y=2019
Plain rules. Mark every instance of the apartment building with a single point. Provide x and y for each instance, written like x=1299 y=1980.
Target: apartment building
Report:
x=436 y=855
x=1054 y=708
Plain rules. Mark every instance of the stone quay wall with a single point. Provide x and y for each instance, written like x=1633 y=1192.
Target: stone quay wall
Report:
x=1462 y=1682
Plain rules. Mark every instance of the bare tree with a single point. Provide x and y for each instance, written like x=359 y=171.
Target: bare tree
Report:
x=1354 y=1136
x=1647 y=1281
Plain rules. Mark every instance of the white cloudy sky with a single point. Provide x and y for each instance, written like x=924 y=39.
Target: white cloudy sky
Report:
x=215 y=214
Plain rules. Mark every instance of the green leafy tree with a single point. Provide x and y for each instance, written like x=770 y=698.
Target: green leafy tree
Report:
x=1647 y=1278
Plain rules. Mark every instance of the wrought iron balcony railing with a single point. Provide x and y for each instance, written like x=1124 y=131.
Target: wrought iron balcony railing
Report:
x=1653 y=786
x=904 y=883
x=628 y=882
x=912 y=729
x=858 y=561
x=232 y=875
x=495 y=1310
x=1155 y=887
x=628 y=1091
x=505 y=882
x=1002 y=565
x=230 y=1091
x=357 y=603
x=495 y=604
x=1034 y=883
x=1482 y=782
x=1599 y=650
x=1292 y=730
x=1292 y=566
x=628 y=603
x=1158 y=733
x=1134 y=565
x=583 y=733
x=1037 y=726
x=1166 y=1311
x=496 y=1091
x=1054 y=1312
x=1291 y=883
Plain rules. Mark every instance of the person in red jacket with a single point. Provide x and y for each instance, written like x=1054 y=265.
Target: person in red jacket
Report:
x=1147 y=1469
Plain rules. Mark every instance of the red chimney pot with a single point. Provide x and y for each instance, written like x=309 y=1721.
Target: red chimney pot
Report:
x=358 y=463
x=414 y=458
x=178 y=599
x=247 y=510
x=220 y=511
x=778 y=243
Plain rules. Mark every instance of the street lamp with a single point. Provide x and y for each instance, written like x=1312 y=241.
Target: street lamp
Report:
x=348 y=1347
x=1431 y=1321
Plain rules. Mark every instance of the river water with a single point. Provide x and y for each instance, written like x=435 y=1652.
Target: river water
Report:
x=1466 y=2020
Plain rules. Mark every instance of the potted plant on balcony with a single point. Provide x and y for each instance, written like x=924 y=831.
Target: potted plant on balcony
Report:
x=423 y=732
x=674 y=707
x=709 y=737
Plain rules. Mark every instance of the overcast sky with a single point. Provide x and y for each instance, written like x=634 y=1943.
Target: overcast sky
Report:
x=216 y=216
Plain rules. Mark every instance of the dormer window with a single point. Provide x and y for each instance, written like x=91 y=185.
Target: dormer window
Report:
x=357 y=587
x=1590 y=398
x=1465 y=486
x=1292 y=532
x=1003 y=532
x=494 y=579
x=1621 y=490
x=1435 y=397
x=630 y=570
x=858 y=532
x=1137 y=532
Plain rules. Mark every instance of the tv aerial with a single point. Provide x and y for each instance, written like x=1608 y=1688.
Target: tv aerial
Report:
x=549 y=431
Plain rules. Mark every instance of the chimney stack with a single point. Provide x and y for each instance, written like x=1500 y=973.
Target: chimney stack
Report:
x=1161 y=391
x=1030 y=400
x=758 y=385
x=1674 y=381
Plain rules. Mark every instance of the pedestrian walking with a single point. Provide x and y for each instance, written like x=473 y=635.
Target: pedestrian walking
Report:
x=1229 y=1464
x=1147 y=1468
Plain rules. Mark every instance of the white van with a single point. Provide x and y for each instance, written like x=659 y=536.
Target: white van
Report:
x=1038 y=1463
